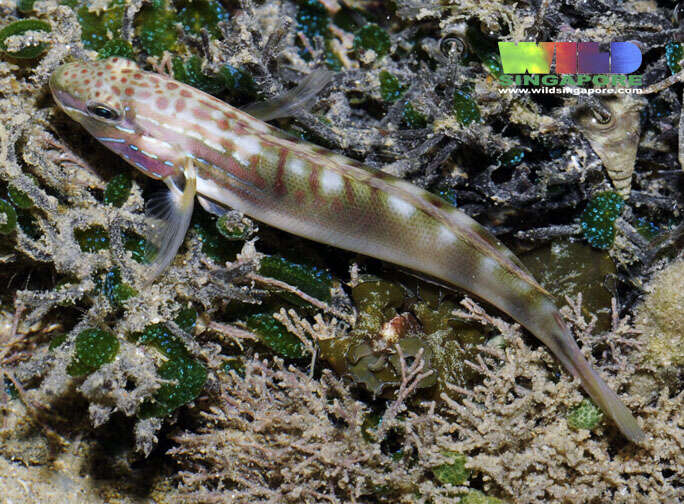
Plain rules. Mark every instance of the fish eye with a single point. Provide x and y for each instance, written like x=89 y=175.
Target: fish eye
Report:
x=103 y=111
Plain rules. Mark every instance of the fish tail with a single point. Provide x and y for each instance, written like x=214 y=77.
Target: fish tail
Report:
x=567 y=351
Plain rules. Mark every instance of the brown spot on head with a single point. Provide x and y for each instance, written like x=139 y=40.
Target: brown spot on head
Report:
x=180 y=105
x=223 y=124
x=116 y=90
x=138 y=76
x=171 y=86
x=129 y=91
x=161 y=102
x=185 y=93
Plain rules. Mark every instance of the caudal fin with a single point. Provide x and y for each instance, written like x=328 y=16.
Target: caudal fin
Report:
x=569 y=354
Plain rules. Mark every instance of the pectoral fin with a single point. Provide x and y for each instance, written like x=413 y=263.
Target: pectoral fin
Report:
x=172 y=211
x=296 y=100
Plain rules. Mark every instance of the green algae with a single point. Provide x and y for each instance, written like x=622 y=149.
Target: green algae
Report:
x=453 y=472
x=234 y=364
x=97 y=27
x=647 y=228
x=57 y=341
x=8 y=217
x=313 y=21
x=186 y=319
x=310 y=279
x=598 y=219
x=412 y=118
x=113 y=288
x=197 y=14
x=20 y=27
x=275 y=336
x=674 y=52
x=238 y=82
x=190 y=72
x=118 y=190
x=390 y=87
x=188 y=374
x=93 y=348
x=116 y=47
x=232 y=230
x=25 y=6
x=568 y=268
x=377 y=302
x=142 y=251
x=155 y=27
x=190 y=377
x=372 y=37
x=217 y=247
x=92 y=239
x=477 y=497
x=585 y=416
x=465 y=107
x=19 y=198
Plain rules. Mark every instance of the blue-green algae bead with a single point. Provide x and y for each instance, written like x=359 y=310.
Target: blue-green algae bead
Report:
x=453 y=472
x=8 y=217
x=186 y=319
x=118 y=190
x=156 y=27
x=197 y=14
x=674 y=52
x=94 y=347
x=585 y=416
x=92 y=239
x=116 y=47
x=598 y=219
x=512 y=157
x=466 y=109
x=390 y=87
x=371 y=36
x=97 y=27
x=412 y=118
x=19 y=28
x=114 y=289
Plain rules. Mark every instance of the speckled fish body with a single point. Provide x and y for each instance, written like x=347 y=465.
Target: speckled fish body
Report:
x=249 y=165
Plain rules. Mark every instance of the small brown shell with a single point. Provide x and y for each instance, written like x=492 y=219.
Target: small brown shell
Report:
x=616 y=140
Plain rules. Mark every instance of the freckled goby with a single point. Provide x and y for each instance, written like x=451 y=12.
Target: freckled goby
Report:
x=162 y=126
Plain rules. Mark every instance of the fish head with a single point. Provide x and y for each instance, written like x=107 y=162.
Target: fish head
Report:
x=107 y=97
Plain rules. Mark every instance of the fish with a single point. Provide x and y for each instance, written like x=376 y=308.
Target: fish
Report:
x=205 y=149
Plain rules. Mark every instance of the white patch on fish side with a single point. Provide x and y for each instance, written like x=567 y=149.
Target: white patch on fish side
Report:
x=331 y=182
x=402 y=207
x=296 y=166
x=249 y=144
x=488 y=265
x=446 y=234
